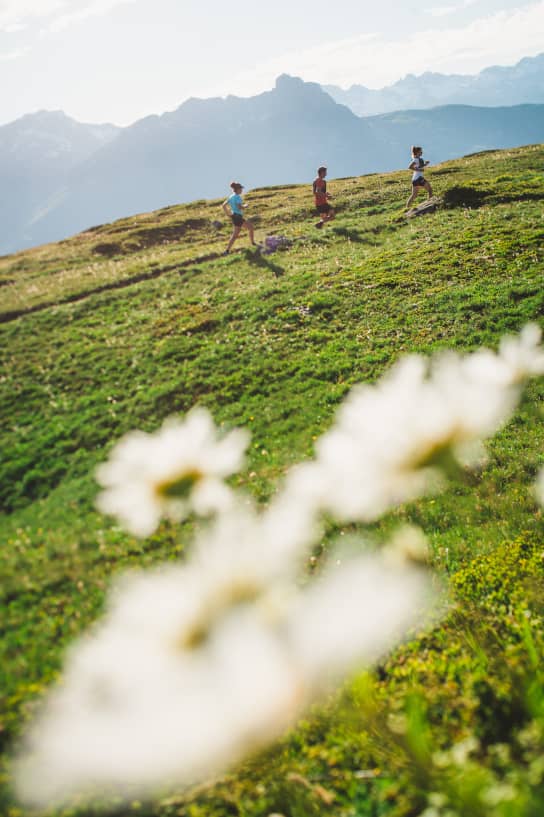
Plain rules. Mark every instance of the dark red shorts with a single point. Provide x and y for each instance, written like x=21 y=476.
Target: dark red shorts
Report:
x=323 y=208
x=237 y=219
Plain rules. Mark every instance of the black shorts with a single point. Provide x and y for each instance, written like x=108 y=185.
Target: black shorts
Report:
x=237 y=219
x=323 y=208
x=418 y=182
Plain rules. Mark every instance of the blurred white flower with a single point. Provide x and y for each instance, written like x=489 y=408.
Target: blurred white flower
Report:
x=175 y=685
x=178 y=469
x=380 y=452
x=188 y=672
x=477 y=394
x=398 y=439
x=523 y=354
x=462 y=750
x=196 y=666
x=408 y=545
x=499 y=793
x=354 y=614
x=359 y=471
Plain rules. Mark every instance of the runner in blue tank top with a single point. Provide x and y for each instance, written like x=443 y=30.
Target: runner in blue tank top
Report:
x=233 y=208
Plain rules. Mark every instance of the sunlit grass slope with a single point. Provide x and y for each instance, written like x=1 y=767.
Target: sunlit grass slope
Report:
x=127 y=323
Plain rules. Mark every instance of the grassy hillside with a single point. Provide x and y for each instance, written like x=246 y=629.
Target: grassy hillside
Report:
x=127 y=323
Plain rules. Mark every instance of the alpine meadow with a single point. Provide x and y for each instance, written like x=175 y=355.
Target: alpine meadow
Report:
x=440 y=712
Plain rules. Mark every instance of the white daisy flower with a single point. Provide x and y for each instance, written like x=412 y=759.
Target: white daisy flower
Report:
x=196 y=666
x=175 y=685
x=178 y=469
x=354 y=614
x=409 y=545
x=397 y=440
x=523 y=355
x=379 y=451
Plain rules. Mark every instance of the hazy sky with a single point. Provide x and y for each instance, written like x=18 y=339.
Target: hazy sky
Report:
x=119 y=60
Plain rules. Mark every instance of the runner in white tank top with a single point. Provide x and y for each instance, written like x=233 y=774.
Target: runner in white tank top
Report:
x=419 y=182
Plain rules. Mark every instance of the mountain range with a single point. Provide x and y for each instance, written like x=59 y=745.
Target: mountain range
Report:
x=495 y=86
x=37 y=152
x=59 y=176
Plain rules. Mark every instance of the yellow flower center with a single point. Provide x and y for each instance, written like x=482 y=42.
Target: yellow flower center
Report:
x=235 y=595
x=180 y=487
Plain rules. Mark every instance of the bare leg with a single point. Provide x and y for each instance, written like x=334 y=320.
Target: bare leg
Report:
x=250 y=229
x=234 y=236
x=324 y=217
x=413 y=197
x=429 y=189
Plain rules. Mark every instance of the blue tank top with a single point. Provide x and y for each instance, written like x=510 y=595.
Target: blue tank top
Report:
x=235 y=203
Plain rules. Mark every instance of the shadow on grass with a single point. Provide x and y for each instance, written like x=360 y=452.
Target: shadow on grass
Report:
x=351 y=235
x=465 y=196
x=258 y=260
x=507 y=198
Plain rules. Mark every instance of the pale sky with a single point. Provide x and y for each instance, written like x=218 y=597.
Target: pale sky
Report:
x=119 y=60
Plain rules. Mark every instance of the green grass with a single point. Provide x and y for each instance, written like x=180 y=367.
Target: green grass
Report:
x=127 y=323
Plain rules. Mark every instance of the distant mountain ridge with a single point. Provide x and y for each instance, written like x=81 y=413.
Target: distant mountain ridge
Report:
x=277 y=137
x=37 y=151
x=495 y=86
x=54 y=136
x=194 y=152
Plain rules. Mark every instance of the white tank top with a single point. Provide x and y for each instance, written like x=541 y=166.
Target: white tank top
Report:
x=417 y=174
